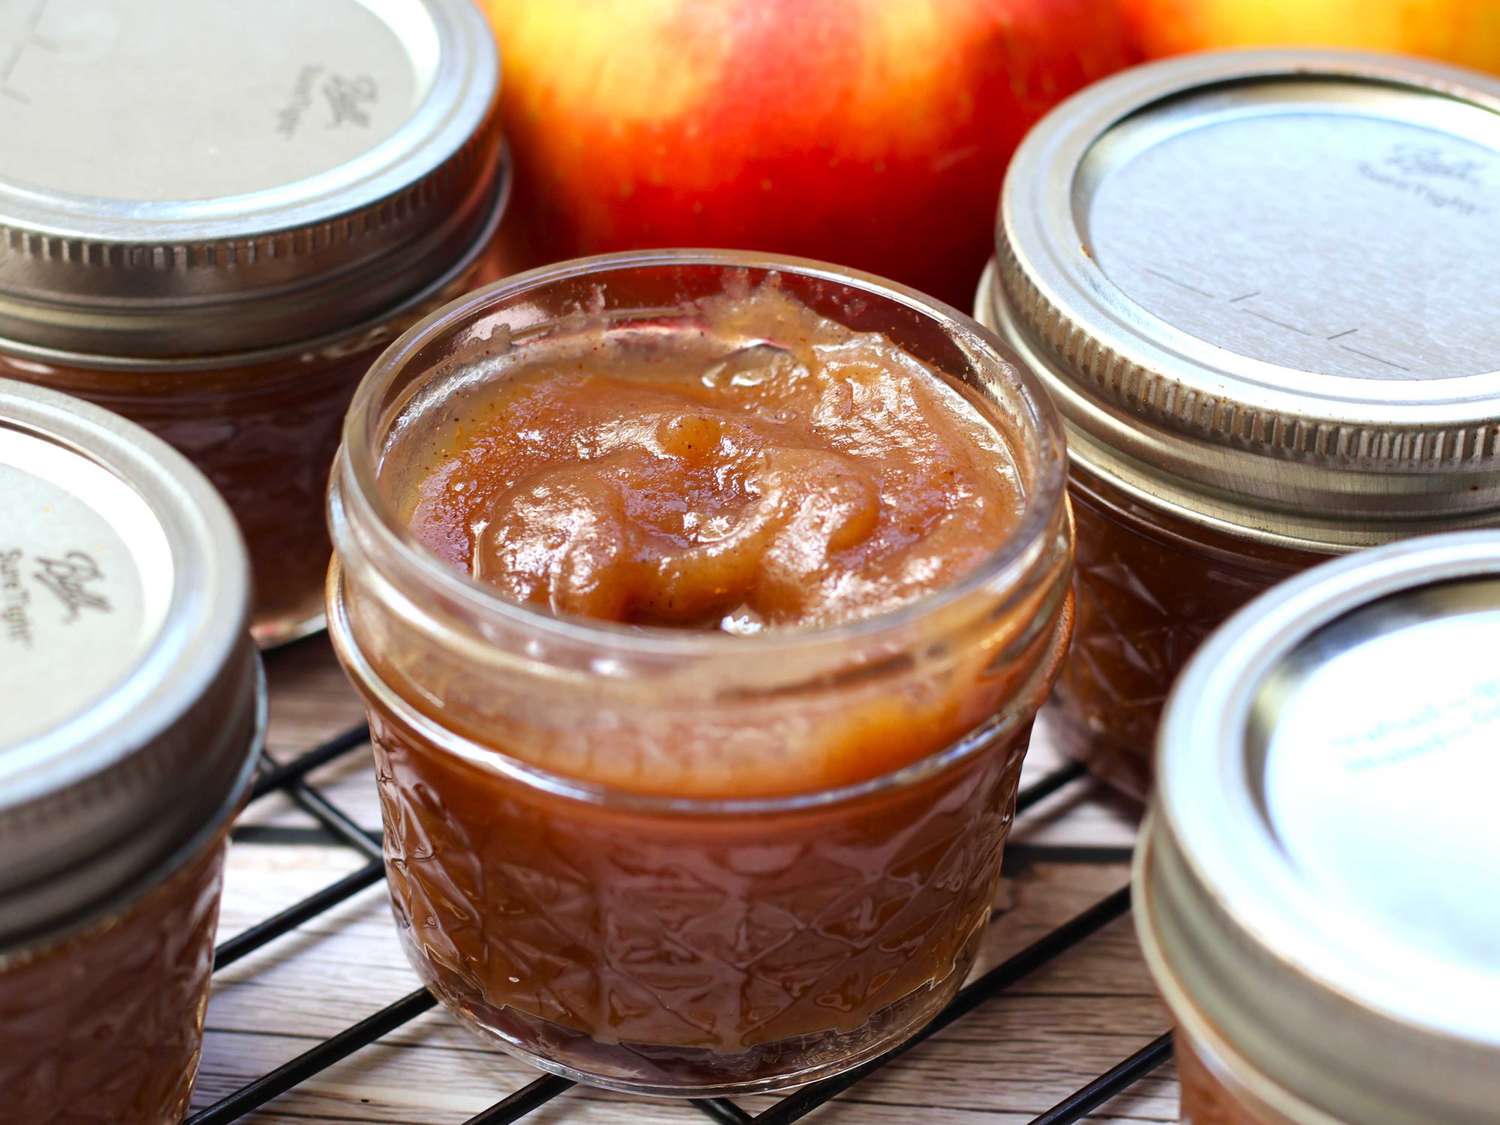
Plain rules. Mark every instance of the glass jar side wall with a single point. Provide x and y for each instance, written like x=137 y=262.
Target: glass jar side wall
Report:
x=1150 y=589
x=689 y=954
x=715 y=949
x=105 y=1026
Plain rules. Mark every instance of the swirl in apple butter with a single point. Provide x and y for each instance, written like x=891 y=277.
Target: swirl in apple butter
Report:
x=775 y=470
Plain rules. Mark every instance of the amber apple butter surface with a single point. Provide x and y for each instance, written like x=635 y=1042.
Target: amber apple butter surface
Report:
x=819 y=476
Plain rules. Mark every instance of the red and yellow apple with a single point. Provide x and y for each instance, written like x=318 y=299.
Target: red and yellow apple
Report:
x=869 y=132
x=1459 y=31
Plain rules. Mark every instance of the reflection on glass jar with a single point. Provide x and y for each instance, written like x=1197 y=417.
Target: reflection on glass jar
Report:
x=1274 y=893
x=225 y=277
x=130 y=715
x=678 y=860
x=1185 y=257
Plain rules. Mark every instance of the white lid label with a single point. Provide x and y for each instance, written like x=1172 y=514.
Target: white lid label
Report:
x=1337 y=243
x=85 y=577
x=1381 y=784
x=198 y=99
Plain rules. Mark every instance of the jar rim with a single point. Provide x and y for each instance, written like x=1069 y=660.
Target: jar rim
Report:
x=1015 y=555
x=1324 y=509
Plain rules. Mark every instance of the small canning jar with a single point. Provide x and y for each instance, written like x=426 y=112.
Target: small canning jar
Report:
x=211 y=224
x=131 y=710
x=1316 y=882
x=666 y=933
x=1252 y=283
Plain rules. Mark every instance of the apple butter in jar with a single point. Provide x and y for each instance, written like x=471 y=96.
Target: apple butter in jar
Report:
x=1315 y=885
x=1253 y=284
x=131 y=710
x=212 y=221
x=702 y=603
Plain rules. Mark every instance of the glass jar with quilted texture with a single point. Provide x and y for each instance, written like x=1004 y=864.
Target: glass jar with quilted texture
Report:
x=586 y=859
x=131 y=709
x=1151 y=587
x=1249 y=282
x=104 y=1026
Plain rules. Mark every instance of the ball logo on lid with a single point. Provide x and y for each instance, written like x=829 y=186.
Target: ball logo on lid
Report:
x=349 y=100
x=70 y=579
x=198 y=100
x=1432 y=176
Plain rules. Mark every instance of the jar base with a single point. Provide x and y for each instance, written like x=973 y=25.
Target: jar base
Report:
x=678 y=1072
x=283 y=630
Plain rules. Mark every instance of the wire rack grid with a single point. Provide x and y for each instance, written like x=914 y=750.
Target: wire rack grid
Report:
x=290 y=777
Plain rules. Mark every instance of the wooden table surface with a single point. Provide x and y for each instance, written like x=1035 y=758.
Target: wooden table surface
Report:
x=1007 y=1061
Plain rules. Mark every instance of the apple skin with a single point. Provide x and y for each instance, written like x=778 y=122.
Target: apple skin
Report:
x=1466 y=32
x=874 y=133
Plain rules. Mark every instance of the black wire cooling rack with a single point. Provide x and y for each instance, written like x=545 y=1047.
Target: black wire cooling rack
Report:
x=290 y=777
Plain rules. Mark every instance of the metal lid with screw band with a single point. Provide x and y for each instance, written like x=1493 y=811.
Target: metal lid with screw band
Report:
x=189 y=178
x=1316 y=884
x=1254 y=282
x=131 y=701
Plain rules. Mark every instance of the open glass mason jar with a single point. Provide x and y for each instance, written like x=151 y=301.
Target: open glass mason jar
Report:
x=615 y=848
x=131 y=710
x=211 y=223
x=1316 y=884
x=1252 y=282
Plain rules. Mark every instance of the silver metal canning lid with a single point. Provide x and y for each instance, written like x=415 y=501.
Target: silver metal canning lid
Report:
x=181 y=178
x=1316 y=887
x=130 y=701
x=1260 y=286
